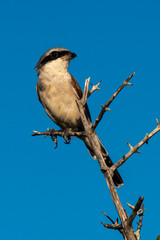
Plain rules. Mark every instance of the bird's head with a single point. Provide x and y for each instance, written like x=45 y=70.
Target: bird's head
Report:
x=56 y=58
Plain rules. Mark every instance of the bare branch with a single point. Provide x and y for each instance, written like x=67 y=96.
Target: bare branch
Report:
x=135 y=210
x=85 y=92
x=60 y=133
x=93 y=138
x=125 y=228
x=66 y=134
x=132 y=147
x=94 y=88
x=125 y=83
x=139 y=211
x=137 y=233
x=108 y=217
x=112 y=226
x=135 y=149
x=131 y=206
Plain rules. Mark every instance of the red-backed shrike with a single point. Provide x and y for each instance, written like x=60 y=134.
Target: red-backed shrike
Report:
x=58 y=91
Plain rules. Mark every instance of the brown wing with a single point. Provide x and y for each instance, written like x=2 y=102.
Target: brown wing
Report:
x=76 y=87
x=37 y=89
x=80 y=94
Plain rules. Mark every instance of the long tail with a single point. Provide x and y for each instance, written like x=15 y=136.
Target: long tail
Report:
x=116 y=177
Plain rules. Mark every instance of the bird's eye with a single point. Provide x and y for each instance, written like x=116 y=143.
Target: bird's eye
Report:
x=55 y=54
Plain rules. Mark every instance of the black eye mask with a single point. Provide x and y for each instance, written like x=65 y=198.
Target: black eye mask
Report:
x=52 y=56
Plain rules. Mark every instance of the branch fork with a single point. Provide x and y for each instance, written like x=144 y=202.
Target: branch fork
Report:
x=94 y=88
x=136 y=210
x=136 y=147
x=125 y=83
x=125 y=228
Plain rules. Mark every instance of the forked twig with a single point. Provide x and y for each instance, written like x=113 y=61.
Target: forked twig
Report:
x=135 y=210
x=125 y=228
x=85 y=92
x=94 y=88
x=135 y=148
x=114 y=225
x=106 y=106
x=137 y=233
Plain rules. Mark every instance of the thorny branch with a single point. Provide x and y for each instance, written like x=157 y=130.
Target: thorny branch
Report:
x=138 y=210
x=106 y=106
x=135 y=148
x=60 y=133
x=125 y=228
x=66 y=134
x=135 y=210
x=94 y=88
x=114 y=225
x=85 y=92
x=94 y=141
x=126 y=222
x=137 y=233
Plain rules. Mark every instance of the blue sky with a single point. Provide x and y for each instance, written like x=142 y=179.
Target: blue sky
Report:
x=57 y=194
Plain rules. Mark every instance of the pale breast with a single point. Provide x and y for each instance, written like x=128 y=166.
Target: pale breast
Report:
x=59 y=101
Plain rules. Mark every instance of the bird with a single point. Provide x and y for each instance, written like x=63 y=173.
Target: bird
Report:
x=58 y=92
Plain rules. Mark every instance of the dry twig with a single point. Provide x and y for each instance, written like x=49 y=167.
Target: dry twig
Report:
x=114 y=225
x=135 y=210
x=94 y=88
x=135 y=148
x=125 y=228
x=85 y=92
x=137 y=233
x=66 y=134
x=106 y=106
x=93 y=138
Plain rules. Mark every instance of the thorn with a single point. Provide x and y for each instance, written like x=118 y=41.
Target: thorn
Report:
x=138 y=151
x=105 y=108
x=35 y=131
x=147 y=135
x=131 y=206
x=129 y=145
x=96 y=86
x=116 y=221
x=128 y=83
x=137 y=233
x=147 y=138
x=157 y=121
x=104 y=213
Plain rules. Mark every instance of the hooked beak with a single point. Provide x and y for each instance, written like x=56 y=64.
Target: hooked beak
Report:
x=72 y=55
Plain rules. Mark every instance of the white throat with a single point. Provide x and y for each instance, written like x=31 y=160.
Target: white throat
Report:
x=56 y=67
